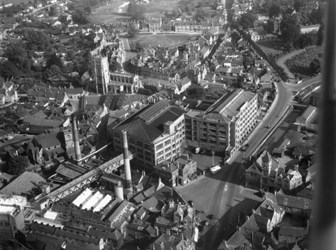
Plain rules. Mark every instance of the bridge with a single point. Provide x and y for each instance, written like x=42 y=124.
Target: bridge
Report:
x=82 y=181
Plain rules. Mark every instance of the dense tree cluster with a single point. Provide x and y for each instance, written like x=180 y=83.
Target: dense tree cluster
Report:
x=247 y=20
x=315 y=66
x=136 y=11
x=290 y=30
x=274 y=10
x=16 y=165
x=291 y=36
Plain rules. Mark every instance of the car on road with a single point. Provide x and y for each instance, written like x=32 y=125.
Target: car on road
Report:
x=244 y=147
x=215 y=169
x=267 y=126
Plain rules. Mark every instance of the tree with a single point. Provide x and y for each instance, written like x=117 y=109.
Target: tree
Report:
x=199 y=16
x=132 y=30
x=305 y=40
x=290 y=30
x=136 y=11
x=79 y=16
x=16 y=165
x=247 y=20
x=269 y=26
x=303 y=17
x=53 y=70
x=36 y=40
x=297 y=5
x=315 y=66
x=17 y=54
x=62 y=19
x=274 y=10
x=235 y=38
x=248 y=61
x=317 y=15
x=319 y=35
x=87 y=64
x=138 y=47
x=9 y=70
x=53 y=59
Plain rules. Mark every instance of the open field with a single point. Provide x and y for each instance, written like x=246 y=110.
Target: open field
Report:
x=14 y=2
x=107 y=13
x=166 y=40
x=158 y=7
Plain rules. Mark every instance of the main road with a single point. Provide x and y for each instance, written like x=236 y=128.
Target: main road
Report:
x=222 y=195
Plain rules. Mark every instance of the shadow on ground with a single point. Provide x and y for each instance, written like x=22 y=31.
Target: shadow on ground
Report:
x=226 y=225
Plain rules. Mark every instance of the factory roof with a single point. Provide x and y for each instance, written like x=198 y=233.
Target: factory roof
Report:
x=228 y=107
x=147 y=125
x=70 y=171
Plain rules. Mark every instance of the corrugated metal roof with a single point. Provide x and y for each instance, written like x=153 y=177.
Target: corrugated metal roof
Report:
x=92 y=201
x=103 y=203
x=82 y=197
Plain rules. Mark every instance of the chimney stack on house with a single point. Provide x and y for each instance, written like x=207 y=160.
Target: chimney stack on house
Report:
x=127 y=166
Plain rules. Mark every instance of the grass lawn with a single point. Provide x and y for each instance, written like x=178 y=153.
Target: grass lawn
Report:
x=271 y=47
x=158 y=7
x=166 y=40
x=14 y=2
x=107 y=13
x=299 y=64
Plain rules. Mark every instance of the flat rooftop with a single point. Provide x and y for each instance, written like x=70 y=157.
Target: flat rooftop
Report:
x=229 y=106
x=7 y=209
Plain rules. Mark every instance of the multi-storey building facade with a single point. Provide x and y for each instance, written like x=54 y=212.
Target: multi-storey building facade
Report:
x=225 y=125
x=155 y=134
x=123 y=82
x=11 y=221
x=270 y=174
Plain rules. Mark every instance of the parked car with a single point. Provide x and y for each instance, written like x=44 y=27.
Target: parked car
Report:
x=215 y=169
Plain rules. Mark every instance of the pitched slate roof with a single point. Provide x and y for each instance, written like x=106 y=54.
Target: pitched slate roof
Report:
x=74 y=91
x=293 y=202
x=293 y=231
x=236 y=240
x=151 y=204
x=23 y=184
x=49 y=140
